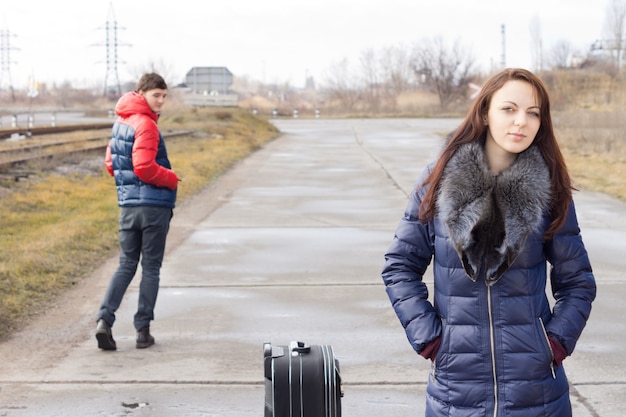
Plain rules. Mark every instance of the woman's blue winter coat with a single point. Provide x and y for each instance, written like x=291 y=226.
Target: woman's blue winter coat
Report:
x=494 y=358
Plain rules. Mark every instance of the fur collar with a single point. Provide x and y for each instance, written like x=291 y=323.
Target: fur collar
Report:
x=489 y=217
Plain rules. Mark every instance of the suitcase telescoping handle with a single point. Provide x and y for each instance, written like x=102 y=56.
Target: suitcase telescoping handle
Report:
x=297 y=348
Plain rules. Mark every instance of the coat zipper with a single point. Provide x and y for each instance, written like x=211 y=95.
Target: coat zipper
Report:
x=545 y=334
x=492 y=341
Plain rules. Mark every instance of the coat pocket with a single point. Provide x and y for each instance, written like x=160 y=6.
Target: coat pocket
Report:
x=547 y=346
x=438 y=356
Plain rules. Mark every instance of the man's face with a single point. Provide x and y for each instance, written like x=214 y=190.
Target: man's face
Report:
x=155 y=98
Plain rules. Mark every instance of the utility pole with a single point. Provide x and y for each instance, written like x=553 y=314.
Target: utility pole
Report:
x=503 y=58
x=536 y=43
x=111 y=77
x=5 y=61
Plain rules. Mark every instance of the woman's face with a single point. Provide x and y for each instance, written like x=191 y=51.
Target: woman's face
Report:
x=513 y=120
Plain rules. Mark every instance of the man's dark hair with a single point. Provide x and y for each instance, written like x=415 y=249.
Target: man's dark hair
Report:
x=150 y=82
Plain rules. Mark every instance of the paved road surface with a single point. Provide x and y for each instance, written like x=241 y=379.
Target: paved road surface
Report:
x=288 y=245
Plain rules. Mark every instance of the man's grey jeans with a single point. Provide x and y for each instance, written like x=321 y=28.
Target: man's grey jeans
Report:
x=142 y=234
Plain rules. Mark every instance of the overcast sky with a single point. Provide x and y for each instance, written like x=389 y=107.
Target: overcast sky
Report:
x=271 y=40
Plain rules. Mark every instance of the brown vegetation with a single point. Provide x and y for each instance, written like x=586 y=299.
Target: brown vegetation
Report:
x=589 y=118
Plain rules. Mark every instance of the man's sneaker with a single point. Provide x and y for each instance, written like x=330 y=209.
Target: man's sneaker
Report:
x=144 y=338
x=104 y=336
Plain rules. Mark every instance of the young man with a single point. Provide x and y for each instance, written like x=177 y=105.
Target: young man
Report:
x=146 y=190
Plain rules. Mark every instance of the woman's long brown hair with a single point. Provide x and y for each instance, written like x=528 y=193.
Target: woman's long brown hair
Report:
x=473 y=129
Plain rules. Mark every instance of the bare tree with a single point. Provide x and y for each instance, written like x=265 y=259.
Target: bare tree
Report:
x=445 y=70
x=560 y=55
x=340 y=86
x=396 y=69
x=162 y=67
x=615 y=30
x=371 y=79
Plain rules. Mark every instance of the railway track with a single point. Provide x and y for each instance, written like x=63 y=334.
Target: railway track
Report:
x=48 y=130
x=45 y=143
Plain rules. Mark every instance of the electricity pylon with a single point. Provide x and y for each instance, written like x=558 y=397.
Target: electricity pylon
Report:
x=5 y=60
x=111 y=78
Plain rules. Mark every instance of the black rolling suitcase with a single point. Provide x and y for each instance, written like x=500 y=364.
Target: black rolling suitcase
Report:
x=301 y=381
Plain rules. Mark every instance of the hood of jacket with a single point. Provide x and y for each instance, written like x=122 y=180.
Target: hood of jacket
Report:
x=489 y=217
x=134 y=103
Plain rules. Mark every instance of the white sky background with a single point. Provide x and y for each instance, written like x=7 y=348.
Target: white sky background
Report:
x=272 y=40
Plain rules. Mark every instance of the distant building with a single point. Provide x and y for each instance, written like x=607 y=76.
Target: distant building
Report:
x=209 y=80
x=209 y=86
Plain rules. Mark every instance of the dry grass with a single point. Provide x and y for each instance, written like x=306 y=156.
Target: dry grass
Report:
x=598 y=172
x=595 y=149
x=57 y=227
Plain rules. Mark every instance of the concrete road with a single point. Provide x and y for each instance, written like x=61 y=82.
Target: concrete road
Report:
x=288 y=246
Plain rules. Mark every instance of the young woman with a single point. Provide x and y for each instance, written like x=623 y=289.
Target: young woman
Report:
x=493 y=211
